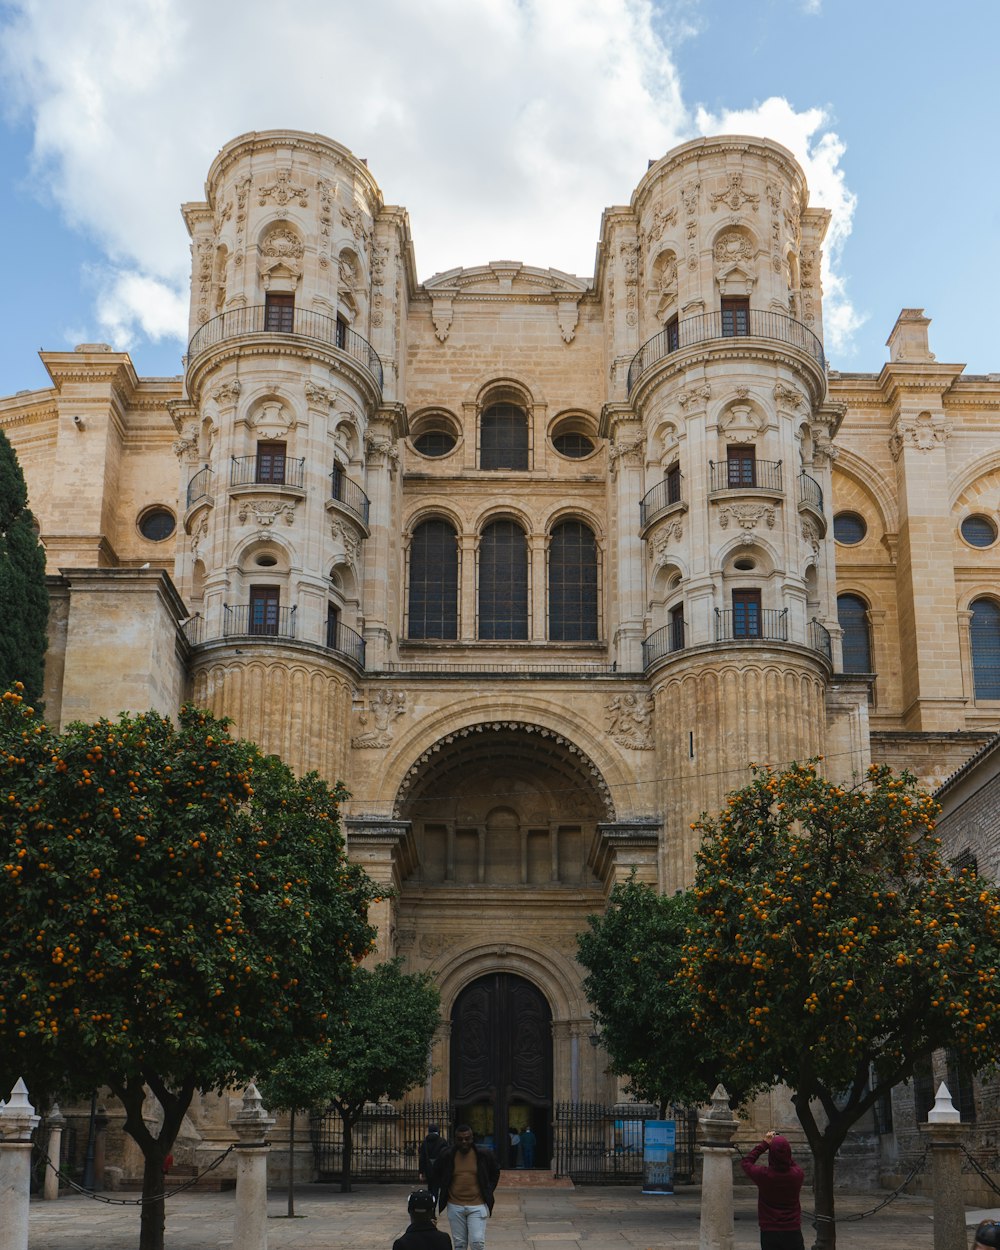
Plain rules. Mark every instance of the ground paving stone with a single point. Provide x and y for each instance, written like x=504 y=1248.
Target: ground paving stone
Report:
x=528 y=1219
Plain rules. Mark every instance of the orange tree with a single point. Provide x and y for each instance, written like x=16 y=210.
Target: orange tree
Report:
x=832 y=948
x=178 y=914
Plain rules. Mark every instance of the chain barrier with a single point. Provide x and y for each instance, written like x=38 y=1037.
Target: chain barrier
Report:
x=817 y=1220
x=978 y=1167
x=136 y=1202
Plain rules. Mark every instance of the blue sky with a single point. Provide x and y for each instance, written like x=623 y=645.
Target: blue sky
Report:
x=505 y=127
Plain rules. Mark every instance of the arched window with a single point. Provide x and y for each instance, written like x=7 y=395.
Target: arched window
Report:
x=433 y=600
x=984 y=635
x=852 y=614
x=503 y=582
x=573 y=583
x=503 y=437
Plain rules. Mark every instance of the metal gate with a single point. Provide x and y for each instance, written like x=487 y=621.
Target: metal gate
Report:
x=597 y=1144
x=386 y=1140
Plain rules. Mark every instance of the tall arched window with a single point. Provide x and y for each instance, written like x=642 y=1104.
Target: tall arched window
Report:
x=852 y=614
x=572 y=583
x=503 y=582
x=984 y=635
x=433 y=598
x=503 y=437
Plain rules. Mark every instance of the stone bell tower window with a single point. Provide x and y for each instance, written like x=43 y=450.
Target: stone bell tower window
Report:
x=279 y=312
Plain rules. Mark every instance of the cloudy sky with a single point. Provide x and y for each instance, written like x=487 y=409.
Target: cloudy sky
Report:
x=504 y=127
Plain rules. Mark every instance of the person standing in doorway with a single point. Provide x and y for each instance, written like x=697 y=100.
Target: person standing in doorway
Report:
x=527 y=1147
x=778 y=1187
x=465 y=1177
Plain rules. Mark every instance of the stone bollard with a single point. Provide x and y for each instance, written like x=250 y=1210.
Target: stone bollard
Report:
x=56 y=1122
x=944 y=1131
x=17 y=1119
x=718 y=1127
x=250 y=1125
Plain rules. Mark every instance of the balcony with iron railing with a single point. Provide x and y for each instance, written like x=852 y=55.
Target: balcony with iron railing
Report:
x=747 y=622
x=811 y=500
x=253 y=471
x=660 y=498
x=706 y=327
x=200 y=486
x=267 y=622
x=742 y=475
x=257 y=319
x=257 y=620
x=349 y=495
x=345 y=641
x=744 y=625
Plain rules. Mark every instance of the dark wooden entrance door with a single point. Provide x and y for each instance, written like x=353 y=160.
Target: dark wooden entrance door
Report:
x=501 y=1065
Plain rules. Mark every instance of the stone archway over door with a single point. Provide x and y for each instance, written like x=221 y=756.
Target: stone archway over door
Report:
x=501 y=1062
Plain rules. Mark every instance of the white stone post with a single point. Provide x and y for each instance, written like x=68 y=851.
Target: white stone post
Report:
x=17 y=1119
x=718 y=1127
x=944 y=1131
x=250 y=1125
x=56 y=1122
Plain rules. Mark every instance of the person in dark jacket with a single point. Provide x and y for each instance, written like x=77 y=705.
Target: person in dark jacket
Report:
x=778 y=1187
x=430 y=1148
x=465 y=1177
x=423 y=1233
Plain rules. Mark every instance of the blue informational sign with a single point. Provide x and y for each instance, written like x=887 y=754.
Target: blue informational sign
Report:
x=659 y=1144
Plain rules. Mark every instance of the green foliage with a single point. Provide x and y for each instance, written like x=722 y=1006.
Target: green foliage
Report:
x=632 y=955
x=177 y=907
x=23 y=592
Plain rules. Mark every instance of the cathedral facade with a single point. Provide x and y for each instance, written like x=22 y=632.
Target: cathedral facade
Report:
x=537 y=564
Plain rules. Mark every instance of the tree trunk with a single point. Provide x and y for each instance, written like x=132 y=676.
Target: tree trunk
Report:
x=152 y=1219
x=826 y=1230
x=291 y=1164
x=345 y=1172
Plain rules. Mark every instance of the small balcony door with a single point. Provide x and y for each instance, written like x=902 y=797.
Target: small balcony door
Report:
x=279 y=312
x=677 y=628
x=271 y=463
x=741 y=467
x=673 y=334
x=264 y=604
x=673 y=480
x=735 y=316
x=332 y=625
x=746 y=614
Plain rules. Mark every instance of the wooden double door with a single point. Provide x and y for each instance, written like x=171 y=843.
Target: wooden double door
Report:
x=501 y=1066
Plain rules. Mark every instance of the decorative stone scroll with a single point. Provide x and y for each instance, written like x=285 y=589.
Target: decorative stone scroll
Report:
x=788 y=396
x=384 y=707
x=283 y=191
x=658 y=549
x=226 y=393
x=693 y=394
x=689 y=195
x=746 y=515
x=264 y=512
x=734 y=196
x=629 y=252
x=630 y=720
x=662 y=218
x=925 y=433
x=629 y=451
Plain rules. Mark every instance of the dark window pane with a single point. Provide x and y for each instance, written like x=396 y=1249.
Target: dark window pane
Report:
x=979 y=531
x=852 y=615
x=735 y=317
x=741 y=463
x=503 y=582
x=984 y=634
x=849 y=528
x=156 y=524
x=673 y=332
x=279 y=313
x=271 y=463
x=746 y=614
x=673 y=479
x=434 y=443
x=573 y=445
x=677 y=629
x=264 y=609
x=433 y=581
x=572 y=583
x=503 y=437
x=332 y=625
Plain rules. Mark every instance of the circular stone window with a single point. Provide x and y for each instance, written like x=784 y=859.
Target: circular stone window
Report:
x=156 y=524
x=573 y=444
x=849 y=528
x=435 y=442
x=979 y=531
x=266 y=561
x=745 y=564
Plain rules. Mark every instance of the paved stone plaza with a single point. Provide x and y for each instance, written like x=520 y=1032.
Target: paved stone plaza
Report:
x=371 y=1217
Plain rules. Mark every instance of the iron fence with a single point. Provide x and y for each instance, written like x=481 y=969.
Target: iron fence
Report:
x=745 y=475
x=659 y=498
x=769 y=624
x=342 y=638
x=249 y=471
x=596 y=1144
x=385 y=1141
x=810 y=491
x=200 y=485
x=350 y=494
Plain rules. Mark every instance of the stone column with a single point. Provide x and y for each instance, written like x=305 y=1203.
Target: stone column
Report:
x=56 y=1122
x=718 y=1127
x=250 y=1125
x=17 y=1120
x=944 y=1131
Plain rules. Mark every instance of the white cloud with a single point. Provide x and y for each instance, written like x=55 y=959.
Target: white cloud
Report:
x=503 y=126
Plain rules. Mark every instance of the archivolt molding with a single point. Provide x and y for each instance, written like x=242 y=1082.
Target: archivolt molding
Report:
x=970 y=473
x=554 y=974
x=865 y=475
x=478 y=393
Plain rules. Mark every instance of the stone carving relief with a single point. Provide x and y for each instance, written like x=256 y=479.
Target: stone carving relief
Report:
x=630 y=451
x=734 y=196
x=658 y=549
x=242 y=195
x=355 y=221
x=186 y=447
x=810 y=534
x=747 y=515
x=741 y=422
x=282 y=243
x=735 y=269
x=381 y=451
x=924 y=432
x=340 y=533
x=272 y=418
x=788 y=396
x=808 y=281
x=264 y=512
x=568 y=315
x=384 y=707
x=282 y=191
x=206 y=252
x=226 y=393
x=629 y=252
x=327 y=194
x=662 y=218
x=442 y=311
x=379 y=256
x=630 y=720
x=320 y=395
x=773 y=194
x=663 y=285
x=689 y=196
x=695 y=393
x=198 y=536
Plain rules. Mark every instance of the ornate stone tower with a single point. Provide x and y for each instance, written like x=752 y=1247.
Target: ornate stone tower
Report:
x=720 y=478
x=290 y=486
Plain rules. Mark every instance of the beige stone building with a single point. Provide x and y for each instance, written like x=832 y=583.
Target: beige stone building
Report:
x=537 y=564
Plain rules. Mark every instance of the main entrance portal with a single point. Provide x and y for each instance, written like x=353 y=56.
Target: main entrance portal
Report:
x=501 y=1065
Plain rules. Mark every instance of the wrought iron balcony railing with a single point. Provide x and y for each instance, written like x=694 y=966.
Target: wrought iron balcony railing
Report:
x=736 y=625
x=659 y=498
x=745 y=475
x=344 y=640
x=819 y=639
x=198 y=487
x=258 y=620
x=810 y=491
x=707 y=326
x=261 y=319
x=251 y=470
x=349 y=494
x=663 y=642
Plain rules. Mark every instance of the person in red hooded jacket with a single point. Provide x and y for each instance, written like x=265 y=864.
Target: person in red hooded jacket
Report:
x=778 y=1186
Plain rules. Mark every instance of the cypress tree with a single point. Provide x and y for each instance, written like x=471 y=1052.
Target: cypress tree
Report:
x=24 y=598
